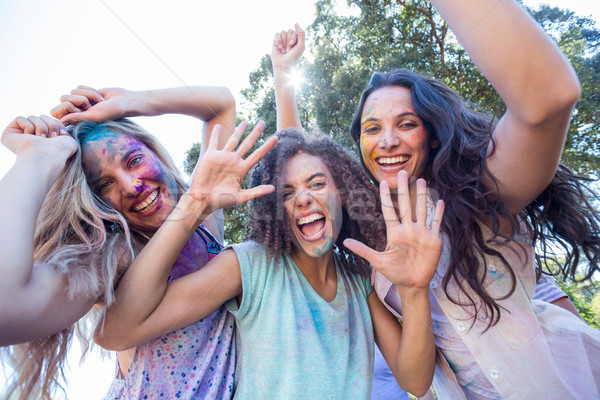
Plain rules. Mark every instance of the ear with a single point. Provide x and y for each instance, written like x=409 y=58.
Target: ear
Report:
x=435 y=143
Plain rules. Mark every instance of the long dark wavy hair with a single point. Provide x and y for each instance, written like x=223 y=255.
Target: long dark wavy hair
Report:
x=362 y=218
x=562 y=221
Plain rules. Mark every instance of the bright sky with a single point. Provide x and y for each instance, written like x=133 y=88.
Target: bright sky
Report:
x=49 y=47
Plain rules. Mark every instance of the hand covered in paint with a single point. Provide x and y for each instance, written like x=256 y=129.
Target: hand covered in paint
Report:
x=88 y=104
x=217 y=178
x=41 y=136
x=413 y=250
x=287 y=50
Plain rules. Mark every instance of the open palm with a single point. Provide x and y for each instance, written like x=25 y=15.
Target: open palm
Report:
x=413 y=249
x=218 y=175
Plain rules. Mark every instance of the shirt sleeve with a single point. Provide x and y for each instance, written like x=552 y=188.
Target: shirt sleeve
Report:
x=252 y=258
x=547 y=290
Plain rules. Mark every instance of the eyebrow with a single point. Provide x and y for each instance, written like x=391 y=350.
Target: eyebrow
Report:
x=310 y=178
x=124 y=157
x=397 y=116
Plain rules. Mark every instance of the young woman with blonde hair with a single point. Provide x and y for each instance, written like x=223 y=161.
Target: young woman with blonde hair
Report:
x=76 y=210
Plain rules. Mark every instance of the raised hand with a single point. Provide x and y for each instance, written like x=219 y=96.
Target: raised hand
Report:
x=218 y=175
x=88 y=104
x=413 y=249
x=39 y=136
x=288 y=47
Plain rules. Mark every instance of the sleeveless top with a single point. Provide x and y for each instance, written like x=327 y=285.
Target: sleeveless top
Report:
x=194 y=362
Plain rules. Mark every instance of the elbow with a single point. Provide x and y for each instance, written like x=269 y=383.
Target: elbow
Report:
x=227 y=98
x=419 y=387
x=420 y=392
x=554 y=105
x=111 y=341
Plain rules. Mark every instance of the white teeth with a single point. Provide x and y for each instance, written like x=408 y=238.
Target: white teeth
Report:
x=392 y=160
x=309 y=218
x=150 y=200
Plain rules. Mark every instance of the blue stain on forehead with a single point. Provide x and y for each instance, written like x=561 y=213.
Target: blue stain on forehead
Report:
x=101 y=133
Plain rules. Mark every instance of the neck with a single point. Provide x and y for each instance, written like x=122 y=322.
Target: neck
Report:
x=319 y=268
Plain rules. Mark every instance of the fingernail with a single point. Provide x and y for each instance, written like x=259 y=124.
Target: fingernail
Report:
x=63 y=132
x=43 y=135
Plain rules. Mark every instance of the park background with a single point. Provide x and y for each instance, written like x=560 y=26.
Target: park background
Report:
x=49 y=47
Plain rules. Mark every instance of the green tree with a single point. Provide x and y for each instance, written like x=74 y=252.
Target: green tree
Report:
x=380 y=35
x=579 y=294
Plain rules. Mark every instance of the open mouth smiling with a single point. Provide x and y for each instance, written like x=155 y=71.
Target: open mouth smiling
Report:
x=147 y=204
x=312 y=226
x=392 y=161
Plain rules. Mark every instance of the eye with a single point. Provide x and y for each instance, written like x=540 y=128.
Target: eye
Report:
x=407 y=125
x=370 y=130
x=317 y=185
x=135 y=160
x=102 y=186
x=287 y=195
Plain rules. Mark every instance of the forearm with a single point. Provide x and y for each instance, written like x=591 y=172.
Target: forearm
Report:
x=514 y=54
x=285 y=100
x=415 y=361
x=23 y=190
x=204 y=102
x=143 y=286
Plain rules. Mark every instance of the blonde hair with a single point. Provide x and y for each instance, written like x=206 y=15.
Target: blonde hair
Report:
x=91 y=244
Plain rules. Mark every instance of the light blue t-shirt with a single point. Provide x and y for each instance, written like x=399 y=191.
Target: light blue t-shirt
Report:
x=292 y=344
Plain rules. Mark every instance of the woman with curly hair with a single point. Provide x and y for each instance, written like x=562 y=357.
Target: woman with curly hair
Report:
x=305 y=311
x=506 y=194
x=76 y=209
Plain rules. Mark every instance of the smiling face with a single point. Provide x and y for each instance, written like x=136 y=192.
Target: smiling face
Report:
x=313 y=205
x=392 y=136
x=131 y=178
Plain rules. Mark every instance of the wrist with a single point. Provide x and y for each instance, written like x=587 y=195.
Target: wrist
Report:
x=190 y=211
x=49 y=158
x=281 y=75
x=411 y=294
x=144 y=103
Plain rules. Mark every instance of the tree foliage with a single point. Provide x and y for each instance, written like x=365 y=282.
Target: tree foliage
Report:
x=379 y=35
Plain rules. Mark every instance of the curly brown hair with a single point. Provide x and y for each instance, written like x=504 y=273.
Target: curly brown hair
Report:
x=362 y=218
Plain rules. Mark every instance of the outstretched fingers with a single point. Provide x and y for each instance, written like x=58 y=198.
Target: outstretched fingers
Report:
x=387 y=205
x=255 y=192
x=404 y=205
x=249 y=141
x=259 y=153
x=362 y=250
x=234 y=139
x=421 y=205
x=438 y=215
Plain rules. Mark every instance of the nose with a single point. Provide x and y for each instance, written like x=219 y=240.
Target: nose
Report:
x=131 y=185
x=389 y=139
x=303 y=198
